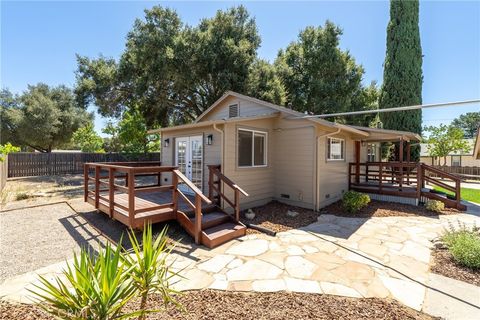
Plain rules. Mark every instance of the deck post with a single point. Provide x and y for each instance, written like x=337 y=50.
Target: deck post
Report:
x=357 y=162
x=198 y=218
x=380 y=176
x=237 y=205
x=174 y=193
x=85 y=182
x=457 y=193
x=97 y=185
x=210 y=183
x=419 y=181
x=400 y=157
x=111 y=190
x=131 y=197
x=408 y=161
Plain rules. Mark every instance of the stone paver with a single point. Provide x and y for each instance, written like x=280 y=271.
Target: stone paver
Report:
x=385 y=257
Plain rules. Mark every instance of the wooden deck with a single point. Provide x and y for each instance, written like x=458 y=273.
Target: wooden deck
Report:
x=132 y=194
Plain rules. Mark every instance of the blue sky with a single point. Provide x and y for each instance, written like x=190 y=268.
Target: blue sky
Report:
x=39 y=40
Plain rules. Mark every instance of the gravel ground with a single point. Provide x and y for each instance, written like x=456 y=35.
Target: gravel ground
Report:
x=32 y=238
x=210 y=304
x=444 y=264
x=384 y=209
x=273 y=216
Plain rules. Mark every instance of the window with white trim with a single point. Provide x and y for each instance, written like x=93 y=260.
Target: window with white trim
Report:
x=456 y=161
x=371 y=152
x=335 y=149
x=251 y=148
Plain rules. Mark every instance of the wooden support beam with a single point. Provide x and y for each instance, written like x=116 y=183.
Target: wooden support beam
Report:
x=357 y=161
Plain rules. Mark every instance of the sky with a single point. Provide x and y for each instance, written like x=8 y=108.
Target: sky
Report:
x=39 y=40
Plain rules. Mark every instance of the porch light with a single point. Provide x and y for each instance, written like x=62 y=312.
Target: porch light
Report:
x=210 y=139
x=166 y=142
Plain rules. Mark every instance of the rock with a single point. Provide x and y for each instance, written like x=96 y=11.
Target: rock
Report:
x=292 y=214
x=250 y=215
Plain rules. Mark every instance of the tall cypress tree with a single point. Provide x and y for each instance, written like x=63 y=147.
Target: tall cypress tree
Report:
x=402 y=74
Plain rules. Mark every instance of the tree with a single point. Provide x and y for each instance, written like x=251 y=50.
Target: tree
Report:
x=170 y=72
x=402 y=74
x=130 y=134
x=469 y=123
x=43 y=117
x=87 y=139
x=365 y=98
x=318 y=76
x=444 y=140
x=264 y=83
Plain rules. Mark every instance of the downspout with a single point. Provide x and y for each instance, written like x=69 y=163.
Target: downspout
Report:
x=317 y=171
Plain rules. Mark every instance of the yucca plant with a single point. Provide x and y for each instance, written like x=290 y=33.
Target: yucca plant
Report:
x=149 y=269
x=95 y=287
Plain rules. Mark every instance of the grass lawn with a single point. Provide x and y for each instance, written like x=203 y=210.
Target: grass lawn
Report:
x=465 y=193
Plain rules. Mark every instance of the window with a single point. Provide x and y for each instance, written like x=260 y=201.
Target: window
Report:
x=335 y=149
x=233 y=111
x=371 y=152
x=252 y=148
x=456 y=161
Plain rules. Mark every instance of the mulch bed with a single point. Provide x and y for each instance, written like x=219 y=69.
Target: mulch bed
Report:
x=444 y=264
x=273 y=216
x=210 y=304
x=384 y=209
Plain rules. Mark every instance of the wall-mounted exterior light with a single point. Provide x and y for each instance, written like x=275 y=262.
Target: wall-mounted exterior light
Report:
x=166 y=142
x=210 y=139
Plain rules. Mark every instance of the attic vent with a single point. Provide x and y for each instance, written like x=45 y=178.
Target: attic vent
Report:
x=233 y=111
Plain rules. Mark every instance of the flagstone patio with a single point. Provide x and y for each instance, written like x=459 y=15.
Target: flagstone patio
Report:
x=355 y=257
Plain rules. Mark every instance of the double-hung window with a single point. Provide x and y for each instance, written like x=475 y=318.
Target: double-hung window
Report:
x=456 y=161
x=335 y=149
x=252 y=148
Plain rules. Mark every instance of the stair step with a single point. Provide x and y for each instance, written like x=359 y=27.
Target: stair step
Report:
x=211 y=219
x=222 y=233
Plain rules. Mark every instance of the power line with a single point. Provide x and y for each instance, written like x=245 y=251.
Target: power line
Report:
x=415 y=107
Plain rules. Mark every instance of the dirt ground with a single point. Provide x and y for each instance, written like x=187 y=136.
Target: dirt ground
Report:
x=211 y=304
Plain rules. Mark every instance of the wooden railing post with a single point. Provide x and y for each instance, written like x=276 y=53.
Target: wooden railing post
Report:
x=457 y=192
x=85 y=182
x=380 y=177
x=210 y=183
x=419 y=181
x=366 y=172
x=97 y=185
x=198 y=218
x=131 y=196
x=237 y=205
x=174 y=193
x=111 y=190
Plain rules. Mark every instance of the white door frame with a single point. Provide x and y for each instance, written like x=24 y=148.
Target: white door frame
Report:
x=187 y=168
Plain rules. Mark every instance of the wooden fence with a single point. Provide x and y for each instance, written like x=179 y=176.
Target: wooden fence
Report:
x=465 y=172
x=3 y=173
x=27 y=164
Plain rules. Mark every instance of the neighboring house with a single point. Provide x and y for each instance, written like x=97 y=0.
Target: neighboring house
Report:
x=272 y=152
x=454 y=159
x=476 y=148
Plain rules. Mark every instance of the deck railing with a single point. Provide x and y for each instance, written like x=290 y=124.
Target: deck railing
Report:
x=217 y=182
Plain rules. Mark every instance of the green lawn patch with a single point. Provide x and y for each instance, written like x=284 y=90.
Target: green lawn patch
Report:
x=467 y=194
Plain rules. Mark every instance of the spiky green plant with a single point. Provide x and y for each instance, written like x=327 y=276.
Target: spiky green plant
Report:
x=95 y=287
x=149 y=269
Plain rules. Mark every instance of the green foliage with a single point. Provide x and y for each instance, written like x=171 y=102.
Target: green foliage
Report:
x=149 y=269
x=353 y=201
x=172 y=72
x=469 y=123
x=464 y=245
x=87 y=139
x=94 y=287
x=445 y=139
x=130 y=135
x=264 y=83
x=98 y=286
x=318 y=76
x=435 y=205
x=22 y=196
x=6 y=149
x=42 y=118
x=402 y=74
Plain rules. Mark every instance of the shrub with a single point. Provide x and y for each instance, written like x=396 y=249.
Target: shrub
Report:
x=353 y=201
x=435 y=205
x=464 y=245
x=99 y=286
x=22 y=196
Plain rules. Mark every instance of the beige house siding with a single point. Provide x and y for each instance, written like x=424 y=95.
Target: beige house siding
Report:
x=246 y=109
x=211 y=153
x=466 y=161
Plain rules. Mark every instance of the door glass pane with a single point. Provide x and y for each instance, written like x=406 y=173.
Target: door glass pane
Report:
x=196 y=152
x=259 y=149
x=244 y=148
x=181 y=156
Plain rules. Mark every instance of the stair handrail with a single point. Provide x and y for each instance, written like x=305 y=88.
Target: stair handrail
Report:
x=197 y=205
x=442 y=174
x=215 y=171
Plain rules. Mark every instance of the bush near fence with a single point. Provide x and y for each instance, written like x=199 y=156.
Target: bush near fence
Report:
x=27 y=164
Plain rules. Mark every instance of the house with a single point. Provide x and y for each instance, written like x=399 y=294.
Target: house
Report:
x=454 y=159
x=272 y=152
x=476 y=148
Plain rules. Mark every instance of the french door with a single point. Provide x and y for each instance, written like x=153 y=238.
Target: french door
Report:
x=189 y=159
